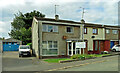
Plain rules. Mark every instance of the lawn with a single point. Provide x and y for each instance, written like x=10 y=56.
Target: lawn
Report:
x=99 y=55
x=74 y=57
x=56 y=60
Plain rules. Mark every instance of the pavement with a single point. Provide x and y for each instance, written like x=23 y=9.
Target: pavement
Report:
x=0 y=62
x=11 y=62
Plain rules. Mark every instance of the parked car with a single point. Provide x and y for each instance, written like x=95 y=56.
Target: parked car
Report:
x=24 y=50
x=116 y=48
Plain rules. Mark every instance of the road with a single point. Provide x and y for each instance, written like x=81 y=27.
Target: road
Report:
x=107 y=65
x=11 y=62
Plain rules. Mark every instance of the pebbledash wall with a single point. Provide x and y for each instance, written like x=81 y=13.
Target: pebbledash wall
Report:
x=41 y=39
x=39 y=36
x=99 y=36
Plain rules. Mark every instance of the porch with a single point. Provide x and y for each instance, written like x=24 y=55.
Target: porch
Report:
x=72 y=49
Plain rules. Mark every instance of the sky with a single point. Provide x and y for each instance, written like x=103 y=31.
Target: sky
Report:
x=96 y=11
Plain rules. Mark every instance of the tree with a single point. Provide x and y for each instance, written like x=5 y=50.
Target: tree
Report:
x=21 y=26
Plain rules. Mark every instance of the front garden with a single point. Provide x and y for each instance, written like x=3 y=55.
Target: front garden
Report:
x=75 y=57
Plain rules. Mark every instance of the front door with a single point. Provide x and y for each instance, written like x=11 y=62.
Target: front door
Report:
x=96 y=47
x=72 y=49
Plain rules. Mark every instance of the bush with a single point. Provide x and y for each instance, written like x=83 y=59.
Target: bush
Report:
x=30 y=44
x=82 y=57
x=77 y=56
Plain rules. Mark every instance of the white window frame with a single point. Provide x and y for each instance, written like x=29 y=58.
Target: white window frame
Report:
x=85 y=30
x=95 y=31
x=53 y=27
x=44 y=30
x=115 y=31
x=52 y=48
x=107 y=31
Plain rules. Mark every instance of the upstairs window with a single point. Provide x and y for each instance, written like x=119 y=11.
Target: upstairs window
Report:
x=95 y=31
x=107 y=31
x=69 y=29
x=55 y=28
x=49 y=28
x=44 y=28
x=114 y=31
x=85 y=30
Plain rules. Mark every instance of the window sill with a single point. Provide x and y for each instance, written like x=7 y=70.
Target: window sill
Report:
x=51 y=32
x=95 y=34
x=50 y=55
x=115 y=34
x=69 y=32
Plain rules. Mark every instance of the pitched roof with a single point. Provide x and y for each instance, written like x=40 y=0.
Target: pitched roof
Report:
x=74 y=22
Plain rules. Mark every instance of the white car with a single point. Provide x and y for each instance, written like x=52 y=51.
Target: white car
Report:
x=116 y=48
x=24 y=50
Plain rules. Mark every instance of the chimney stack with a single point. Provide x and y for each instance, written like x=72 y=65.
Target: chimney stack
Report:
x=56 y=17
x=82 y=21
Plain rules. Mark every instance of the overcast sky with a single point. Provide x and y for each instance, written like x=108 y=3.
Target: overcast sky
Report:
x=99 y=11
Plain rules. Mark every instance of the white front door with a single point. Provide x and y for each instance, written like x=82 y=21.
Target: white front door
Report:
x=69 y=48
x=72 y=49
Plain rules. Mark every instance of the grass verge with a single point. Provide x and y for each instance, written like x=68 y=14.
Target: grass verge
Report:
x=77 y=56
x=56 y=60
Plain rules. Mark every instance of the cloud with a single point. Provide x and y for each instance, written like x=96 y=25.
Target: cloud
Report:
x=4 y=28
x=99 y=11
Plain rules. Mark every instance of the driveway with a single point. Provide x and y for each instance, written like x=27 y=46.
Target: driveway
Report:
x=11 y=60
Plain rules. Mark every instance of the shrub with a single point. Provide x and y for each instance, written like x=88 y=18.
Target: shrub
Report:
x=78 y=56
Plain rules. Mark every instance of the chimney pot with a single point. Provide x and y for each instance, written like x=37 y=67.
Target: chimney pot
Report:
x=56 y=17
x=82 y=21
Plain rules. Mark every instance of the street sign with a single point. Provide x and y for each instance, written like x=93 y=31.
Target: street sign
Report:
x=80 y=45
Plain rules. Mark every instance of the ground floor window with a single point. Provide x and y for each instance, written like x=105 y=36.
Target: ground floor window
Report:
x=49 y=48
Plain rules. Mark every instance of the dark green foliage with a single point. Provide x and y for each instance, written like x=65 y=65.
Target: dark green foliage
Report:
x=21 y=26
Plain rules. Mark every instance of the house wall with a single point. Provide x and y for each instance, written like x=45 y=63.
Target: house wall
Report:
x=35 y=37
x=111 y=36
x=88 y=36
x=58 y=36
x=107 y=46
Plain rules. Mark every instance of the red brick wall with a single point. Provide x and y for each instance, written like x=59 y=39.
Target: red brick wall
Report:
x=107 y=46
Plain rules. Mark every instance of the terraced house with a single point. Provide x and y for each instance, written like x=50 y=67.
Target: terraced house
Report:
x=101 y=37
x=114 y=32
x=56 y=37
